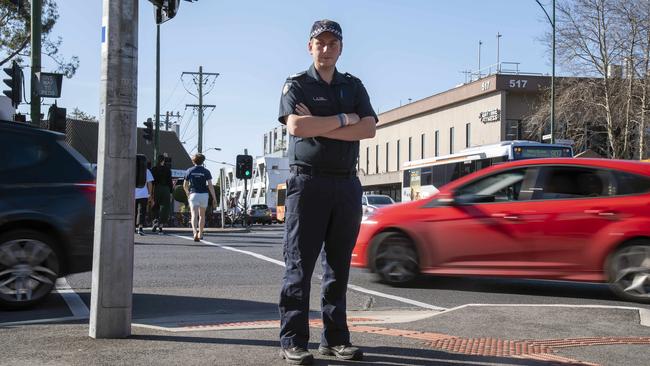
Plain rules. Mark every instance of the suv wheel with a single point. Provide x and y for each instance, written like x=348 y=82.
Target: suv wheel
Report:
x=29 y=267
x=628 y=270
x=395 y=259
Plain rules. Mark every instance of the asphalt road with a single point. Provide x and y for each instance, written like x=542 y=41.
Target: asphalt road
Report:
x=236 y=277
x=175 y=276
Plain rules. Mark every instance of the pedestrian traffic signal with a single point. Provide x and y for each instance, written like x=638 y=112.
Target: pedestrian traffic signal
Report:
x=15 y=83
x=57 y=118
x=148 y=131
x=244 y=167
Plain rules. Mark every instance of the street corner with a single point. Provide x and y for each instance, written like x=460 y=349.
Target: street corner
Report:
x=560 y=334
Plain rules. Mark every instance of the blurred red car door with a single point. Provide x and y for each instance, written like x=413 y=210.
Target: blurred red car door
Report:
x=489 y=226
x=580 y=205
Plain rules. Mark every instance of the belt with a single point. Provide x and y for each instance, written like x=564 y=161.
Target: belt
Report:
x=319 y=172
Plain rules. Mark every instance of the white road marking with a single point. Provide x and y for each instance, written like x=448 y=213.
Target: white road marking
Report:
x=76 y=305
x=644 y=314
x=72 y=299
x=352 y=287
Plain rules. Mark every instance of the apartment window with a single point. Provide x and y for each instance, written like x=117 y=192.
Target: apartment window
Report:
x=467 y=135
x=451 y=140
x=376 y=159
x=422 y=144
x=436 y=143
x=367 y=160
x=387 y=151
x=410 y=148
x=397 y=160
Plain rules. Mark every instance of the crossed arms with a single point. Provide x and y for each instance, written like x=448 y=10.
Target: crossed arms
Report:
x=303 y=124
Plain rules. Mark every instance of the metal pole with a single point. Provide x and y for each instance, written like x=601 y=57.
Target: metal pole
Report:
x=200 y=146
x=479 y=58
x=498 y=48
x=553 y=82
x=221 y=190
x=156 y=134
x=167 y=121
x=37 y=24
x=112 y=275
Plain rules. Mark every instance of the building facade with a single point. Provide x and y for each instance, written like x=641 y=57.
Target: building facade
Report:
x=489 y=110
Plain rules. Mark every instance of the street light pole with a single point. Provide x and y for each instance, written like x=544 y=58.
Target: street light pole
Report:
x=36 y=28
x=156 y=134
x=552 y=21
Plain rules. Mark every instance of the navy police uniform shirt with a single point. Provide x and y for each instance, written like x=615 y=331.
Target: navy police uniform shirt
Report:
x=198 y=176
x=345 y=94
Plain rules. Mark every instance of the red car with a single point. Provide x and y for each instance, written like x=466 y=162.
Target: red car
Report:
x=562 y=219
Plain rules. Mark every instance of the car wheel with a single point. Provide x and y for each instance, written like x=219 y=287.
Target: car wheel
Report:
x=29 y=267
x=396 y=260
x=628 y=270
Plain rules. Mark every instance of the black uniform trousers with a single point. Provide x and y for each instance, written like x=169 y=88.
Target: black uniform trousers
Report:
x=322 y=213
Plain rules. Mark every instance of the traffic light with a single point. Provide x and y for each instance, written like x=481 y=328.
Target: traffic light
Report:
x=148 y=132
x=244 y=167
x=15 y=83
x=165 y=9
x=57 y=118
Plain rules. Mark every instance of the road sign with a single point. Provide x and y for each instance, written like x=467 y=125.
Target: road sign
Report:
x=49 y=84
x=547 y=137
x=564 y=141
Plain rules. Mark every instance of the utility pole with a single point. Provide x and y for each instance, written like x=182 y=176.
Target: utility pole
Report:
x=200 y=82
x=37 y=25
x=156 y=133
x=112 y=275
x=168 y=115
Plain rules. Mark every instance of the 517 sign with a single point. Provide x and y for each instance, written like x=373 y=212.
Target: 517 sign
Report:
x=518 y=84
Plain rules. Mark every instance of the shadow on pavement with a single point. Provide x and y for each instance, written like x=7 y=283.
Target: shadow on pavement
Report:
x=382 y=355
x=540 y=288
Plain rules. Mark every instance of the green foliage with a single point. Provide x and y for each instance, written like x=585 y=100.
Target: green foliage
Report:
x=15 y=32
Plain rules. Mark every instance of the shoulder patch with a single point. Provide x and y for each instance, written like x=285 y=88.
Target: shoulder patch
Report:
x=286 y=88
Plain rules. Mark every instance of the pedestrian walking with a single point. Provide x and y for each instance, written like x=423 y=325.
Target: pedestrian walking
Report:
x=197 y=184
x=162 y=189
x=142 y=200
x=326 y=113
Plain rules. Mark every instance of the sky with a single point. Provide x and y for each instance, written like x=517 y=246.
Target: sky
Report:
x=400 y=49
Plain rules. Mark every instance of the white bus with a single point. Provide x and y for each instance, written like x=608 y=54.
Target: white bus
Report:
x=421 y=178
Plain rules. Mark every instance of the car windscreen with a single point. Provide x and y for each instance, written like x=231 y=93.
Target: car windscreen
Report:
x=530 y=152
x=379 y=200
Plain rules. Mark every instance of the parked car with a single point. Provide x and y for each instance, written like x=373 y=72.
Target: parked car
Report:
x=47 y=210
x=563 y=219
x=372 y=202
x=260 y=214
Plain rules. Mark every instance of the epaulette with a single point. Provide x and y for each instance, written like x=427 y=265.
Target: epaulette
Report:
x=295 y=76
x=350 y=76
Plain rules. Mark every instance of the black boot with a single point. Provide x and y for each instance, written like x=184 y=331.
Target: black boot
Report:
x=343 y=352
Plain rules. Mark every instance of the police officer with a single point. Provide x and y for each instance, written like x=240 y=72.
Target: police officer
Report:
x=326 y=113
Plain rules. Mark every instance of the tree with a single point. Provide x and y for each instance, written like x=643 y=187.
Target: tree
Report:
x=605 y=44
x=15 y=25
x=78 y=114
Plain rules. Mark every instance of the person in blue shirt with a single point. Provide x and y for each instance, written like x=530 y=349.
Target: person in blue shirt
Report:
x=197 y=184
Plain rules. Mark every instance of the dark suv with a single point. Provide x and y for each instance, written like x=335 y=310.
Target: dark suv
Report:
x=47 y=209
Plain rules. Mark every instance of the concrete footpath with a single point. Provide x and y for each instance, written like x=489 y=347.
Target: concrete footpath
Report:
x=467 y=335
